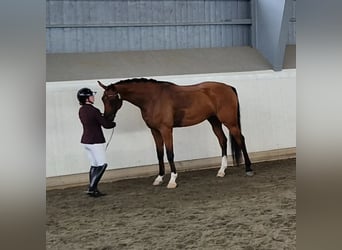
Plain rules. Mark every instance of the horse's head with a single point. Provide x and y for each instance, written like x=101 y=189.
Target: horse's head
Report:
x=111 y=100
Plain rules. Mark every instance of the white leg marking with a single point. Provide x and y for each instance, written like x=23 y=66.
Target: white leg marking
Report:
x=250 y=173
x=224 y=164
x=158 y=180
x=172 y=182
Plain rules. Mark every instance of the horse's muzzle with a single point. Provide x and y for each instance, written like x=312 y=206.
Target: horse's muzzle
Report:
x=109 y=117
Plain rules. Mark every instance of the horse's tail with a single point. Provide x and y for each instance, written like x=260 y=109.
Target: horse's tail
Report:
x=235 y=148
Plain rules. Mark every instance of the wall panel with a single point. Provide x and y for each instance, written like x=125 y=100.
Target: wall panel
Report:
x=268 y=118
x=118 y=25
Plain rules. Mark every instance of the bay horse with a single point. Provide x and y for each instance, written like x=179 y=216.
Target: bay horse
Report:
x=165 y=105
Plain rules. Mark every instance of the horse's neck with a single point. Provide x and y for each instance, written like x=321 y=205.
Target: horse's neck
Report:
x=135 y=93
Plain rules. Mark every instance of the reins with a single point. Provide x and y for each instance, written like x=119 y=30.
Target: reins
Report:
x=110 y=138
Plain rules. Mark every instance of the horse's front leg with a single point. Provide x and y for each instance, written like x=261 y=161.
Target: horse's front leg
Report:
x=168 y=140
x=217 y=128
x=160 y=154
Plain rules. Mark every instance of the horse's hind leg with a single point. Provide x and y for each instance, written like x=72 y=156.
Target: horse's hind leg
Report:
x=217 y=128
x=240 y=140
x=160 y=154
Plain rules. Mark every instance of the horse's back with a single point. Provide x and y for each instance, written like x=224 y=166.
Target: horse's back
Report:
x=215 y=86
x=218 y=93
x=221 y=92
x=208 y=86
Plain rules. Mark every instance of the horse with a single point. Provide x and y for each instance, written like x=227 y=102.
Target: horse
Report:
x=165 y=105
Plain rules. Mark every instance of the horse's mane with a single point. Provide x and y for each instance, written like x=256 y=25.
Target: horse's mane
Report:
x=142 y=80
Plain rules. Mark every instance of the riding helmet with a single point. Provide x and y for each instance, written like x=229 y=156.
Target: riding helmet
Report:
x=83 y=94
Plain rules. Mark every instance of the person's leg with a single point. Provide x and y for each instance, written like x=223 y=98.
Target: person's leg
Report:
x=99 y=154
x=90 y=154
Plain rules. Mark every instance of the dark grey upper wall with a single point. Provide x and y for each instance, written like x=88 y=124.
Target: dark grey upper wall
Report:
x=117 y=25
x=79 y=26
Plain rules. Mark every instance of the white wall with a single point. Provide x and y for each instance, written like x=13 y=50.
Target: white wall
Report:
x=268 y=117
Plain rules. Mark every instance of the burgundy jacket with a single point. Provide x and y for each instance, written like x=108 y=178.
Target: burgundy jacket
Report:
x=92 y=120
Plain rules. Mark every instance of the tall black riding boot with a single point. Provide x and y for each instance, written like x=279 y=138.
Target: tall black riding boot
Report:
x=96 y=177
x=100 y=172
x=91 y=177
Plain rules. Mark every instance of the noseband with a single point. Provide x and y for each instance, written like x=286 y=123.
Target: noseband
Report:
x=119 y=98
x=117 y=94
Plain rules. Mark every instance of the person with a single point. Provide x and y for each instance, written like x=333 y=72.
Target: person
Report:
x=92 y=138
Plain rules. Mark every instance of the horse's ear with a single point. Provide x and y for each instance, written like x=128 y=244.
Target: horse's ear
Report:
x=102 y=85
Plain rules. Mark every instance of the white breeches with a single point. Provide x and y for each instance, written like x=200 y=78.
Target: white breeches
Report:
x=96 y=154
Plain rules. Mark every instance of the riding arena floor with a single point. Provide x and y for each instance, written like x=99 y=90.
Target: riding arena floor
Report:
x=203 y=212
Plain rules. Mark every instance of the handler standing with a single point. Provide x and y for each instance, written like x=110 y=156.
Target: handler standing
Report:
x=92 y=138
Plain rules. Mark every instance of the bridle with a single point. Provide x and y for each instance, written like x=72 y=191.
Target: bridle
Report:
x=114 y=95
x=111 y=135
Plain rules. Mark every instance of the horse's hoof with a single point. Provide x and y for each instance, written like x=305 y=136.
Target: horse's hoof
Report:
x=172 y=185
x=220 y=174
x=250 y=173
x=158 y=181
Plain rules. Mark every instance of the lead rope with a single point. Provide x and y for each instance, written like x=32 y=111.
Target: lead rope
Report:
x=110 y=138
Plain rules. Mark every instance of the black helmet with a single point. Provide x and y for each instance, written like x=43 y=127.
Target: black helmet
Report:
x=83 y=94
